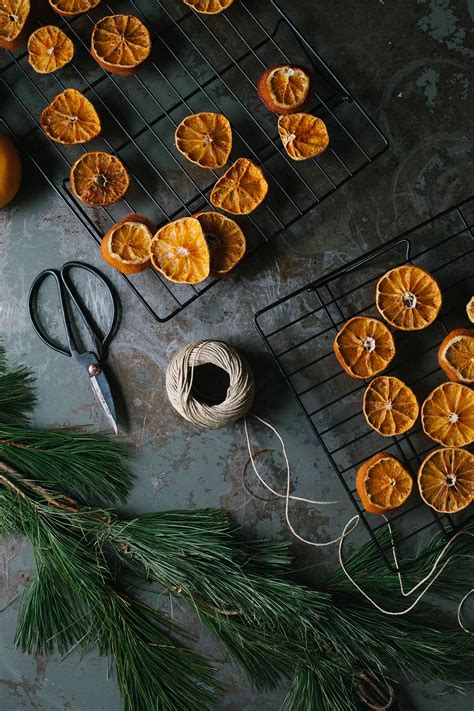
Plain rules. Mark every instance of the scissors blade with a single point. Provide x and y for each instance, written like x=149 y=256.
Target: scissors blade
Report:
x=102 y=390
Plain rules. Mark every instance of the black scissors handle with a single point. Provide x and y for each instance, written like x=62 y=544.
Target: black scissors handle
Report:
x=66 y=291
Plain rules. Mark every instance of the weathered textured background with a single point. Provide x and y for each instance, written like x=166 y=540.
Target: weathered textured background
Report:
x=408 y=63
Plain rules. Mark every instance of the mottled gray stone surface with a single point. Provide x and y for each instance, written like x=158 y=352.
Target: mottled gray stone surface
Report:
x=408 y=62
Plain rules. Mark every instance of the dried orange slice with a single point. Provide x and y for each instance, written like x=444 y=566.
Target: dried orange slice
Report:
x=284 y=89
x=390 y=407
x=14 y=15
x=205 y=139
x=49 y=49
x=126 y=246
x=241 y=189
x=70 y=8
x=383 y=483
x=446 y=479
x=209 y=7
x=70 y=118
x=456 y=355
x=470 y=309
x=99 y=178
x=179 y=251
x=120 y=43
x=364 y=346
x=303 y=136
x=408 y=298
x=447 y=415
x=225 y=240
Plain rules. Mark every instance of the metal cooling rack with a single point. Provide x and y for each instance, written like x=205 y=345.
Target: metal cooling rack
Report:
x=299 y=331
x=198 y=64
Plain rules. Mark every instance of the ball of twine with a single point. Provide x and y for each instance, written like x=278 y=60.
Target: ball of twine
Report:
x=179 y=383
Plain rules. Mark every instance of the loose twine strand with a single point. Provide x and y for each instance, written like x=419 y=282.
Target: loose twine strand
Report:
x=239 y=399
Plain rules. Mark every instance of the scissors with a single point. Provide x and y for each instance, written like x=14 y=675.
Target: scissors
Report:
x=91 y=361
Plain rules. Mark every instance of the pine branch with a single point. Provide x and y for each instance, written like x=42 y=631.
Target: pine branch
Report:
x=17 y=397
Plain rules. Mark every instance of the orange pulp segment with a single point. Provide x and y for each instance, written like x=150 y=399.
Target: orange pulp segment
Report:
x=383 y=483
x=390 y=407
x=241 y=189
x=120 y=43
x=225 y=240
x=303 y=136
x=364 y=346
x=14 y=15
x=284 y=89
x=456 y=355
x=49 y=49
x=179 y=251
x=70 y=118
x=99 y=178
x=205 y=139
x=447 y=415
x=446 y=479
x=408 y=297
x=126 y=246
x=70 y=8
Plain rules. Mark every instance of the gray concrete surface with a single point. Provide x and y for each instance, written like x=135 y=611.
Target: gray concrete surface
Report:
x=408 y=62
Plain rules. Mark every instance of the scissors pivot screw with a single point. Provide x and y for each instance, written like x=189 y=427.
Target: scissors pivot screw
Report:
x=94 y=370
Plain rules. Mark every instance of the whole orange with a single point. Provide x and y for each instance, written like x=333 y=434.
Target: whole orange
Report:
x=10 y=170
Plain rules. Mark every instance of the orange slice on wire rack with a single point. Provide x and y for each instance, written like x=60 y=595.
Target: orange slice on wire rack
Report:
x=99 y=178
x=205 y=139
x=209 y=7
x=456 y=355
x=364 y=346
x=390 y=407
x=225 y=240
x=383 y=483
x=70 y=118
x=120 y=43
x=408 y=298
x=447 y=415
x=284 y=89
x=14 y=16
x=446 y=479
x=470 y=309
x=179 y=251
x=126 y=246
x=303 y=135
x=241 y=189
x=49 y=49
x=70 y=8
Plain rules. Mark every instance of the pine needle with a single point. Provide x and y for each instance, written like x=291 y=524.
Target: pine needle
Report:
x=17 y=397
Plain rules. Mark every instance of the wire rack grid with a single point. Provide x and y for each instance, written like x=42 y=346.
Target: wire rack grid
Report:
x=299 y=331
x=198 y=64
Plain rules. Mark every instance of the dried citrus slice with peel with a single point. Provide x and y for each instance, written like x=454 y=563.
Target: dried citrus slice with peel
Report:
x=70 y=8
x=49 y=49
x=225 y=240
x=446 y=479
x=456 y=355
x=303 y=136
x=209 y=7
x=470 y=309
x=70 y=118
x=99 y=178
x=447 y=415
x=126 y=246
x=383 y=483
x=205 y=139
x=284 y=89
x=179 y=251
x=390 y=407
x=408 y=297
x=364 y=346
x=14 y=16
x=120 y=43
x=241 y=189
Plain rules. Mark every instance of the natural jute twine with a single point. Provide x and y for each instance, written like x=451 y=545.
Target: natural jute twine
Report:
x=179 y=383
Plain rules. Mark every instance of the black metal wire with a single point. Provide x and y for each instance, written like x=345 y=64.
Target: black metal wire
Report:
x=179 y=33
x=440 y=244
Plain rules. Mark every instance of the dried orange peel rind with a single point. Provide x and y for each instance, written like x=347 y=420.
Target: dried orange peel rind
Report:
x=179 y=251
x=15 y=16
x=71 y=8
x=284 y=89
x=225 y=239
x=364 y=346
x=408 y=298
x=209 y=7
x=99 y=178
x=303 y=136
x=456 y=355
x=241 y=189
x=390 y=407
x=120 y=43
x=49 y=49
x=70 y=118
x=383 y=483
x=205 y=139
x=447 y=415
x=126 y=246
x=446 y=479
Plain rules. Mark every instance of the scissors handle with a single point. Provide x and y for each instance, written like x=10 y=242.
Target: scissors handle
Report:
x=34 y=288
